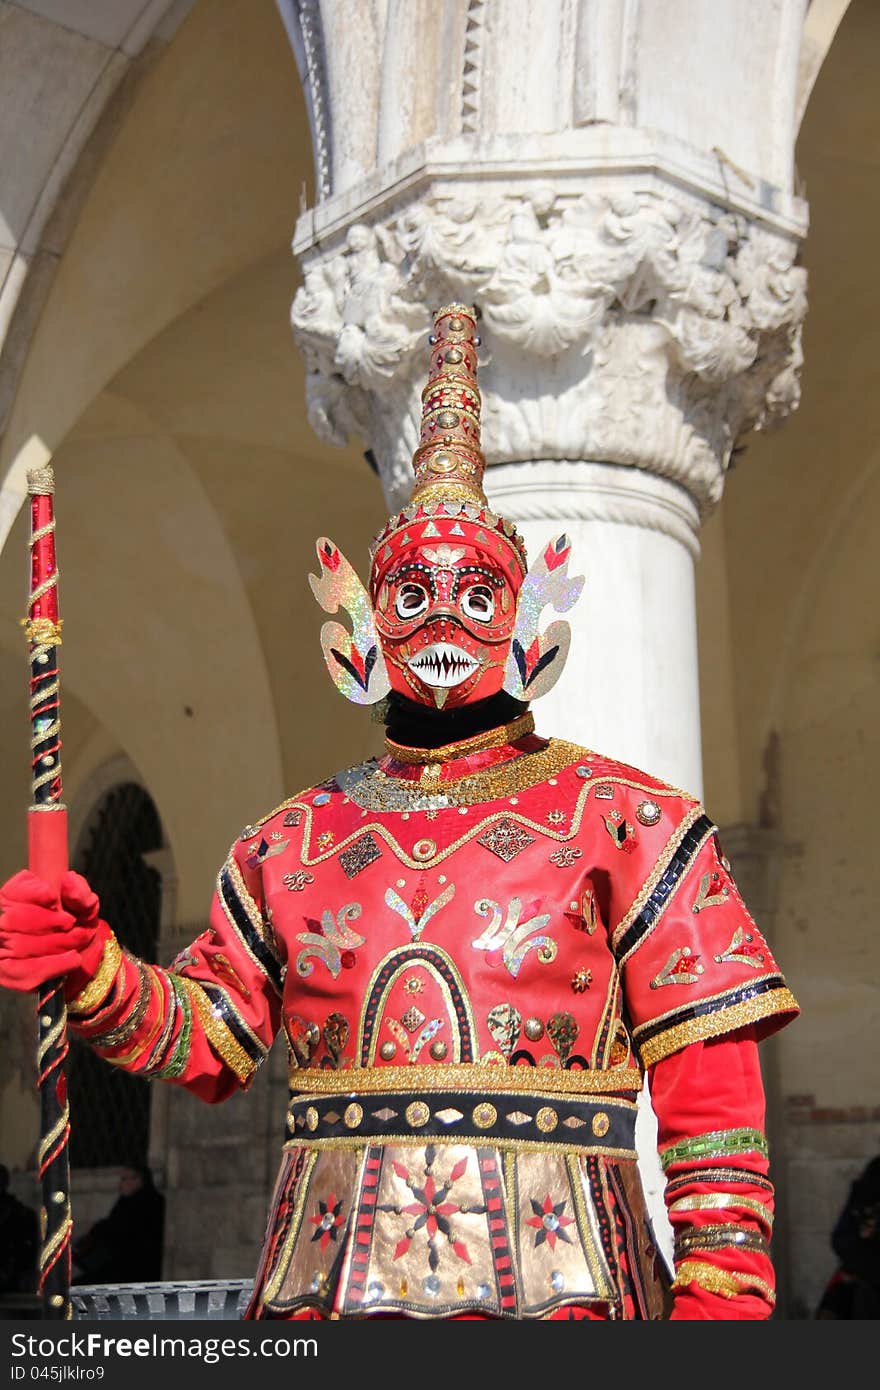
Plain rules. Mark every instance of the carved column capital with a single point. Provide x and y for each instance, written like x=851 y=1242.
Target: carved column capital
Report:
x=627 y=317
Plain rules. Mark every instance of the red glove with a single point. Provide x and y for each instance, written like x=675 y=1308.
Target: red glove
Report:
x=43 y=937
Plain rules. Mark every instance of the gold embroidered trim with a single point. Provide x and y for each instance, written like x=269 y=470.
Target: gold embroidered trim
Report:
x=218 y=1035
x=381 y=830
x=115 y=1037
x=373 y=790
x=721 y=1201
x=775 y=1001
x=101 y=982
x=253 y=915
x=490 y=738
x=133 y=1056
x=345 y=1141
x=282 y=1259
x=248 y=903
x=660 y=866
x=585 y=1215
x=729 y=1283
x=466 y=1077
x=718 y=997
x=409 y=957
x=726 y=1236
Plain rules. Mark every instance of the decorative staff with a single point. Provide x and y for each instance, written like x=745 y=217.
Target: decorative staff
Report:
x=48 y=858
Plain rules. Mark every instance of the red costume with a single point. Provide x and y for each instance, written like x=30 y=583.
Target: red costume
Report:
x=475 y=950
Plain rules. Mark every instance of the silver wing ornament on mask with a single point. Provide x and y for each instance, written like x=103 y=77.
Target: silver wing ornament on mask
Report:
x=354 y=659
x=536 y=658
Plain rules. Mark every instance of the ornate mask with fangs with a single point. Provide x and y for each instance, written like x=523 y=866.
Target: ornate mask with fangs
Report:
x=453 y=614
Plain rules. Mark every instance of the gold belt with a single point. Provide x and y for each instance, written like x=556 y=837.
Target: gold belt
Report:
x=466 y=1077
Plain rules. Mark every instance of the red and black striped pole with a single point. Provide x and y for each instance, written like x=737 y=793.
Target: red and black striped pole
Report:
x=47 y=857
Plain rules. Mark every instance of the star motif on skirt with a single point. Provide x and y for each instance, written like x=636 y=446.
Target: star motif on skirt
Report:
x=549 y=1222
x=326 y=839
x=431 y=1209
x=327 y=1219
x=555 y=817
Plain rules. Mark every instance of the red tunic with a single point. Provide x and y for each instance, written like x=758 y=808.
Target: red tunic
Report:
x=475 y=953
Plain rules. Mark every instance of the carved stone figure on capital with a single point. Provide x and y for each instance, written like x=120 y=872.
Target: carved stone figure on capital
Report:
x=476 y=946
x=581 y=288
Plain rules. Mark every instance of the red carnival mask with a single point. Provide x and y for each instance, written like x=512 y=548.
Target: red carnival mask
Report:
x=445 y=615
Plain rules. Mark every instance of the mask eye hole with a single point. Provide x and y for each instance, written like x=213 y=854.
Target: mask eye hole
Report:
x=411 y=601
x=478 y=603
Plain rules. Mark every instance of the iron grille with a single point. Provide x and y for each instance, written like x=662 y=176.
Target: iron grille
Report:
x=112 y=1109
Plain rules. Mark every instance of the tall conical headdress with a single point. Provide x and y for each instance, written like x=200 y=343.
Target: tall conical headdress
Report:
x=448 y=505
x=448 y=498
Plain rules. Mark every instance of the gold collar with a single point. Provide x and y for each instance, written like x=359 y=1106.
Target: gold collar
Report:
x=490 y=738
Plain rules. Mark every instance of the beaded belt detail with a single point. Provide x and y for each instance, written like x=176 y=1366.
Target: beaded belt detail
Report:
x=600 y=1124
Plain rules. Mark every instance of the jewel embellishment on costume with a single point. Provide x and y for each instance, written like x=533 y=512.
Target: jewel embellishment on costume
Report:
x=589 y=911
x=622 y=833
x=555 y=817
x=409 y=1023
x=225 y=970
x=360 y=855
x=296 y=882
x=418 y=913
x=581 y=979
x=648 y=812
x=354 y=660
x=293 y=817
x=431 y=1207
x=562 y=1030
x=329 y=940
x=507 y=839
x=682 y=968
x=510 y=938
x=566 y=856
x=303 y=1038
x=505 y=1023
x=550 y=1222
x=412 y=1019
x=708 y=894
x=264 y=850
x=336 y=1034
x=536 y=658
x=328 y=1219
x=742 y=950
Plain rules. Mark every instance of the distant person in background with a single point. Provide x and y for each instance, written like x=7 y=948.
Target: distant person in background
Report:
x=854 y=1289
x=126 y=1245
x=19 y=1241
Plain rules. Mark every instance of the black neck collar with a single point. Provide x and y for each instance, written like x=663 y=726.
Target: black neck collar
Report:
x=417 y=726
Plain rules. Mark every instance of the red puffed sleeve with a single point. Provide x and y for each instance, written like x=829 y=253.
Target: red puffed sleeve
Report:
x=208 y=1021
x=693 y=963
x=709 y=1102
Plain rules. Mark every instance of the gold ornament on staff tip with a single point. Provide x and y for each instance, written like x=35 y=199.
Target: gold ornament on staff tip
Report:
x=42 y=632
x=41 y=481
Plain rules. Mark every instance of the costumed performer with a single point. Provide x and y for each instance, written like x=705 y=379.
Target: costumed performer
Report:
x=476 y=946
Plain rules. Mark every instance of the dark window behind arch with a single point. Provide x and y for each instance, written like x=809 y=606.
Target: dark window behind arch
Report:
x=110 y=1110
